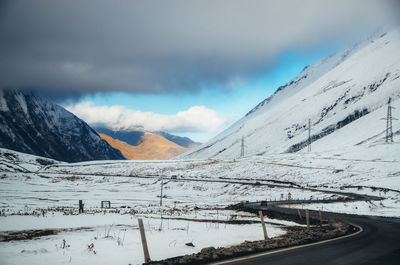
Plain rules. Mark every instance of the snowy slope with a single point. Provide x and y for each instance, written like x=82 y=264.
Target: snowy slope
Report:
x=34 y=125
x=344 y=95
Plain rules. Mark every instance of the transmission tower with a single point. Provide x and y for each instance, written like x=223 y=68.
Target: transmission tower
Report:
x=309 y=135
x=389 y=118
x=242 y=148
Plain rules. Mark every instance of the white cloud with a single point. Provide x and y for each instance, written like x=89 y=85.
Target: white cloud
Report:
x=194 y=119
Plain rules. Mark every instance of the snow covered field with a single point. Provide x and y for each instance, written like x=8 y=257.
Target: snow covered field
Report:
x=116 y=238
x=37 y=193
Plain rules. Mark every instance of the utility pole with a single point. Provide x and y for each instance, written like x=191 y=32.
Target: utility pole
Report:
x=162 y=184
x=242 y=148
x=389 y=118
x=309 y=135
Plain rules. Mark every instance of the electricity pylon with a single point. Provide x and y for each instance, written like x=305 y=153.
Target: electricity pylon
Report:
x=389 y=118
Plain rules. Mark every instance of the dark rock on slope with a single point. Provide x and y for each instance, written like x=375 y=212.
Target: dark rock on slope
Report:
x=34 y=125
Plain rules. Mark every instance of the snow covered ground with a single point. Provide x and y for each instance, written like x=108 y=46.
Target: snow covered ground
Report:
x=37 y=193
x=116 y=238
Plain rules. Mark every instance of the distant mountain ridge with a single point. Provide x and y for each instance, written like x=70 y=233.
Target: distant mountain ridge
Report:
x=131 y=137
x=151 y=147
x=143 y=145
x=182 y=141
x=134 y=137
x=34 y=125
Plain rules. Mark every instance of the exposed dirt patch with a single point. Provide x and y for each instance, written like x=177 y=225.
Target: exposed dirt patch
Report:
x=45 y=162
x=6 y=236
x=25 y=235
x=373 y=188
x=73 y=178
x=232 y=221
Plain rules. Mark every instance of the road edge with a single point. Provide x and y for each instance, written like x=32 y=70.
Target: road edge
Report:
x=360 y=230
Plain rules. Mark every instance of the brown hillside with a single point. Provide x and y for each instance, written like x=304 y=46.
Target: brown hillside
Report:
x=153 y=147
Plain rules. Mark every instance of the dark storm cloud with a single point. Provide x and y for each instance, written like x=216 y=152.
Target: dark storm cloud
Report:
x=72 y=47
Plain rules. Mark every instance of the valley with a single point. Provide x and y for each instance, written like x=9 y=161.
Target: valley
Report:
x=313 y=167
x=39 y=196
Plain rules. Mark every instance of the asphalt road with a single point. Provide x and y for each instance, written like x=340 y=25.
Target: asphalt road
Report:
x=378 y=243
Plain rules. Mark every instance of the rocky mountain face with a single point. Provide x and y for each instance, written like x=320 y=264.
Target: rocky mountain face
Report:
x=343 y=97
x=34 y=125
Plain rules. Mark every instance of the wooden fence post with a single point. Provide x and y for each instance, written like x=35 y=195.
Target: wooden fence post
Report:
x=320 y=216
x=263 y=225
x=298 y=211
x=144 y=242
x=81 y=206
x=308 y=218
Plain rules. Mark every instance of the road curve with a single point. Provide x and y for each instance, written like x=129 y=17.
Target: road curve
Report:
x=378 y=243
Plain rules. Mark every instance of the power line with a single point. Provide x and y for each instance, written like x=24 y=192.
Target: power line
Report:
x=161 y=195
x=309 y=135
x=242 y=148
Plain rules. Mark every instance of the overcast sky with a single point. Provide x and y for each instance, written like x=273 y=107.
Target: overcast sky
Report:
x=75 y=48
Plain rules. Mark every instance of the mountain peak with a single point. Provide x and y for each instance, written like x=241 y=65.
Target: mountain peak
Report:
x=34 y=125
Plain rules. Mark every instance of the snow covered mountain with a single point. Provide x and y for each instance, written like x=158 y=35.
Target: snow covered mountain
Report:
x=344 y=96
x=34 y=125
